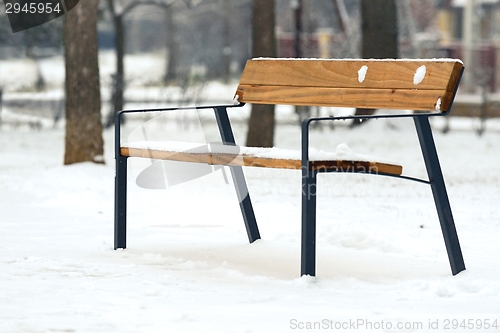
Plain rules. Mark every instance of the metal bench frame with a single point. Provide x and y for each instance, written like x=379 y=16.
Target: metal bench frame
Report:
x=309 y=181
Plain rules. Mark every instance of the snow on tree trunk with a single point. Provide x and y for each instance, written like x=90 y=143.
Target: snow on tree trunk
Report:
x=84 y=140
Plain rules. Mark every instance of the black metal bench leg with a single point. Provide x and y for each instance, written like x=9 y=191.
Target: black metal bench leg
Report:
x=308 y=253
x=440 y=195
x=240 y=184
x=245 y=203
x=121 y=203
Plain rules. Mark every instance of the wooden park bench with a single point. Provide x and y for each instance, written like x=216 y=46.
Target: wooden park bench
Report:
x=427 y=86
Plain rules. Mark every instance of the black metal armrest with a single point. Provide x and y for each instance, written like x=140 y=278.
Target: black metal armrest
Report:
x=305 y=135
x=118 y=117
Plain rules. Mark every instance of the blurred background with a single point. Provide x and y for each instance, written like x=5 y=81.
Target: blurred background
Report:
x=193 y=51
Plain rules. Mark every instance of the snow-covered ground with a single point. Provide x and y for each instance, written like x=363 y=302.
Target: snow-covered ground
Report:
x=382 y=264
x=188 y=267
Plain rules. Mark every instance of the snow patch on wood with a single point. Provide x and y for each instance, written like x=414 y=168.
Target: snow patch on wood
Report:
x=236 y=99
x=419 y=75
x=438 y=104
x=362 y=73
x=342 y=152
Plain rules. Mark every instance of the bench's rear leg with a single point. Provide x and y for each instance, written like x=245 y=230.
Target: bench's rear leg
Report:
x=121 y=202
x=240 y=184
x=308 y=252
x=440 y=195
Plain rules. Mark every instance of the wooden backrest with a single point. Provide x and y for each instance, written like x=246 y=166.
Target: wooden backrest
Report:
x=423 y=84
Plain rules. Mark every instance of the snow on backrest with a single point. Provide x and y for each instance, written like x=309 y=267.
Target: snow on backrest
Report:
x=421 y=84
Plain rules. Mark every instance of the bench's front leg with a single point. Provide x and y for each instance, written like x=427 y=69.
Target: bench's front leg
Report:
x=440 y=195
x=245 y=203
x=309 y=183
x=121 y=203
x=120 y=189
x=308 y=253
x=240 y=184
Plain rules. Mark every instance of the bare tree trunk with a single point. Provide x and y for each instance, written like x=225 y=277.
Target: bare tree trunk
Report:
x=261 y=122
x=84 y=140
x=380 y=29
x=226 y=51
x=120 y=72
x=297 y=11
x=172 y=46
x=380 y=34
x=119 y=76
x=302 y=111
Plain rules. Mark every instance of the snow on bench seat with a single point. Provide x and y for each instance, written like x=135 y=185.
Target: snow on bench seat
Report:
x=342 y=160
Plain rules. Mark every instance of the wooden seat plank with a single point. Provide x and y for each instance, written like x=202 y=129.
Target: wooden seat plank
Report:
x=215 y=158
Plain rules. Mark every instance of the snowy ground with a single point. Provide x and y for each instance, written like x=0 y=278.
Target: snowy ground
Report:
x=382 y=264
x=188 y=266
